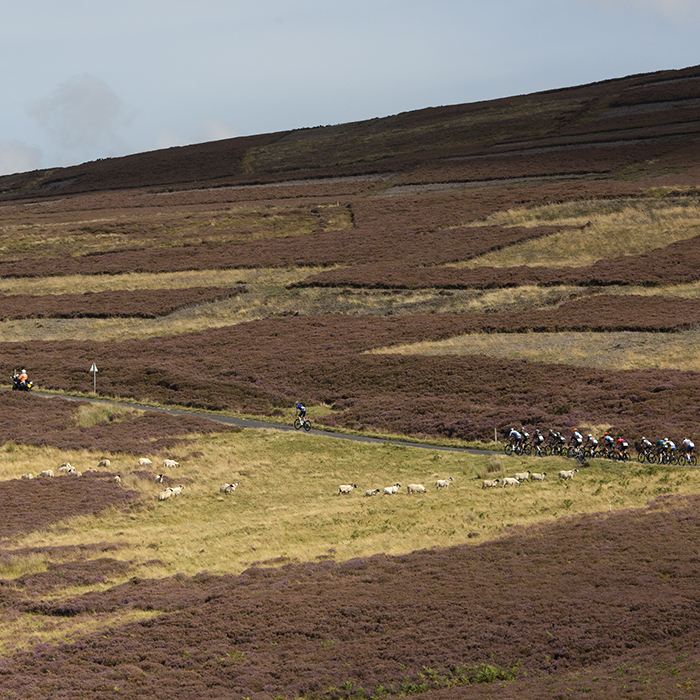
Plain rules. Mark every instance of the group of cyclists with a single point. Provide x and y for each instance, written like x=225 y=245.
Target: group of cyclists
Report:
x=663 y=451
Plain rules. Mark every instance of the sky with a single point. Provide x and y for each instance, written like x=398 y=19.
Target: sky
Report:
x=89 y=79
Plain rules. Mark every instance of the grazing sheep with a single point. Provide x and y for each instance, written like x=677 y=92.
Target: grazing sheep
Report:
x=159 y=478
x=443 y=483
x=165 y=495
x=145 y=462
x=90 y=470
x=117 y=479
x=390 y=490
x=28 y=475
x=177 y=490
x=371 y=492
x=538 y=476
x=46 y=472
x=228 y=488
x=345 y=488
x=415 y=488
x=67 y=468
x=568 y=474
x=170 y=464
x=104 y=463
x=522 y=476
x=490 y=483
x=510 y=482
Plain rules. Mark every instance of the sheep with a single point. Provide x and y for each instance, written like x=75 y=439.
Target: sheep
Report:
x=522 y=476
x=104 y=463
x=538 y=476
x=28 y=475
x=507 y=481
x=145 y=462
x=165 y=495
x=67 y=468
x=177 y=490
x=46 y=472
x=117 y=479
x=415 y=488
x=371 y=492
x=90 y=470
x=345 y=488
x=228 y=488
x=568 y=474
x=159 y=478
x=490 y=483
x=170 y=464
x=443 y=483
x=389 y=490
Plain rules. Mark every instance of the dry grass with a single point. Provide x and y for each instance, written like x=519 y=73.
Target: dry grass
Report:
x=623 y=350
x=608 y=229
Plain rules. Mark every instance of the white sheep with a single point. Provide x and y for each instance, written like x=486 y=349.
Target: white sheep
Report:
x=535 y=476
x=165 y=495
x=145 y=462
x=390 y=490
x=522 y=476
x=507 y=481
x=177 y=490
x=228 y=488
x=568 y=474
x=443 y=483
x=90 y=470
x=28 y=475
x=159 y=478
x=371 y=492
x=67 y=468
x=490 y=483
x=415 y=488
x=104 y=463
x=170 y=464
x=46 y=472
x=345 y=488
x=117 y=479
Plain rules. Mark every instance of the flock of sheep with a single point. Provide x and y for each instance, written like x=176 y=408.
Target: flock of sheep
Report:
x=518 y=478
x=164 y=495
x=391 y=490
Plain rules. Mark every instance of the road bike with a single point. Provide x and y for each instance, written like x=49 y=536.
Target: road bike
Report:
x=300 y=423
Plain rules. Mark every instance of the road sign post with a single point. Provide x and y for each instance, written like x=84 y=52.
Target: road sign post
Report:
x=93 y=369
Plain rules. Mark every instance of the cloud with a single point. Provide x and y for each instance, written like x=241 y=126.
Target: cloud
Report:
x=18 y=157
x=215 y=130
x=82 y=116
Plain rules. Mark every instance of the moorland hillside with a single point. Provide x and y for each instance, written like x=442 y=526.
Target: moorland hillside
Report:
x=443 y=274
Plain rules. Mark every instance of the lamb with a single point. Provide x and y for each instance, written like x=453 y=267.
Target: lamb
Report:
x=538 y=476
x=568 y=474
x=522 y=476
x=46 y=472
x=67 y=467
x=228 y=488
x=490 y=483
x=165 y=495
x=389 y=490
x=117 y=479
x=507 y=481
x=371 y=492
x=346 y=488
x=170 y=464
x=159 y=478
x=28 y=475
x=415 y=488
x=104 y=463
x=177 y=490
x=145 y=462
x=443 y=483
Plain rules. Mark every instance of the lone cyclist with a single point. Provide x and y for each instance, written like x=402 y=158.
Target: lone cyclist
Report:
x=301 y=411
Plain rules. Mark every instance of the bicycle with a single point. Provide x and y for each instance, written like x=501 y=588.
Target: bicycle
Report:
x=300 y=423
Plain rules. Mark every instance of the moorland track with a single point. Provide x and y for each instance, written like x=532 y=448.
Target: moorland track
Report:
x=260 y=424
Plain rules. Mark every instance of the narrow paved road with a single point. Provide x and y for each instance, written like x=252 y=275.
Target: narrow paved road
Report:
x=266 y=425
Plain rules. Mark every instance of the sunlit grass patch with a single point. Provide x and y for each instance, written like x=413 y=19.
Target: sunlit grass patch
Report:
x=607 y=229
x=621 y=350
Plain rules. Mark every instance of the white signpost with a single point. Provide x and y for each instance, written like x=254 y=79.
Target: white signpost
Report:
x=93 y=369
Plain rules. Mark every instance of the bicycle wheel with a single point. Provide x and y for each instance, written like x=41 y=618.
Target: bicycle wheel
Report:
x=547 y=450
x=508 y=449
x=527 y=449
x=641 y=457
x=307 y=426
x=297 y=424
x=693 y=461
